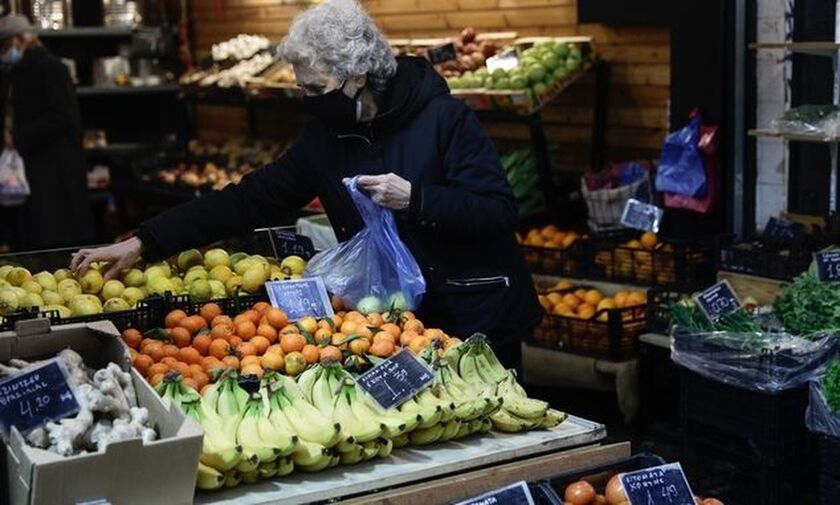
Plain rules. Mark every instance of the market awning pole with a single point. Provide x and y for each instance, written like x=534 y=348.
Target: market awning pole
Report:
x=738 y=122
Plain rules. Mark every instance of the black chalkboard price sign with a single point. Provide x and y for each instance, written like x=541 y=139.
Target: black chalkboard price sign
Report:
x=442 y=54
x=660 y=485
x=718 y=301
x=515 y=494
x=37 y=395
x=641 y=216
x=300 y=297
x=828 y=266
x=288 y=243
x=396 y=379
x=782 y=231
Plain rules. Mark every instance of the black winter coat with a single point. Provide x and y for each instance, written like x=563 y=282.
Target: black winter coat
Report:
x=47 y=133
x=459 y=225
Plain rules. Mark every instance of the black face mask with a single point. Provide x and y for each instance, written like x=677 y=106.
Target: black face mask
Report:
x=335 y=109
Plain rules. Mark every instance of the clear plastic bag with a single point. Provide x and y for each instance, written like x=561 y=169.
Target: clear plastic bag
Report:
x=819 y=417
x=374 y=267
x=14 y=188
x=768 y=362
x=820 y=120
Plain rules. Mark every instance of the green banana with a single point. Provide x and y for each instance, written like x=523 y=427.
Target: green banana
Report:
x=370 y=449
x=526 y=408
x=486 y=425
x=426 y=436
x=355 y=456
x=285 y=466
x=248 y=435
x=393 y=425
x=282 y=441
x=307 y=421
x=267 y=470
x=476 y=425
x=401 y=441
x=307 y=380
x=209 y=478
x=506 y=422
x=450 y=430
x=552 y=418
x=308 y=453
x=232 y=478
x=251 y=477
x=362 y=430
x=486 y=371
x=323 y=463
x=463 y=431
x=386 y=446
x=468 y=368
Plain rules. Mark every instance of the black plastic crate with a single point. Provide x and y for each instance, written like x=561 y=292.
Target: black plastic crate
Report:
x=543 y=494
x=142 y=317
x=686 y=264
x=764 y=418
x=762 y=260
x=599 y=475
x=569 y=262
x=829 y=488
x=609 y=334
x=659 y=302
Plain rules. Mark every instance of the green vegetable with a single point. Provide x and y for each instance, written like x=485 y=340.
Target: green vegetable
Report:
x=808 y=306
x=831 y=385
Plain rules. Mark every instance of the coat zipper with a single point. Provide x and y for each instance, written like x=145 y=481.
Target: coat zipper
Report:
x=479 y=281
x=353 y=135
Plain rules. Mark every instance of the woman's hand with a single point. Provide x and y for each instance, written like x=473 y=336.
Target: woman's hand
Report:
x=389 y=190
x=120 y=256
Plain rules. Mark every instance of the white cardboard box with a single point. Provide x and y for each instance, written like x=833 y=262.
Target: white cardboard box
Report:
x=128 y=472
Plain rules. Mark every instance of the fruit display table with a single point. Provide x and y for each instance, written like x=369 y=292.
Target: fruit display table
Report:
x=412 y=466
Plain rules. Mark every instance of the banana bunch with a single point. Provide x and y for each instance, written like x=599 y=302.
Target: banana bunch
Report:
x=473 y=404
x=266 y=445
x=479 y=366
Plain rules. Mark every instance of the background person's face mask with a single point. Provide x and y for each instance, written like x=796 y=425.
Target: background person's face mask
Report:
x=12 y=56
x=337 y=110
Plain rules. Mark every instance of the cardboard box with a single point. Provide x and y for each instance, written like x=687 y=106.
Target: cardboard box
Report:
x=127 y=472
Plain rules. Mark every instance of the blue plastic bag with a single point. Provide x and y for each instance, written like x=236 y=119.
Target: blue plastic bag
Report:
x=681 y=169
x=373 y=271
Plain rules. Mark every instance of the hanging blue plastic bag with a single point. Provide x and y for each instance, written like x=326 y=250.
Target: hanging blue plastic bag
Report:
x=681 y=169
x=373 y=271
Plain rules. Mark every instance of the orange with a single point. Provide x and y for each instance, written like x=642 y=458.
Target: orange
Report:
x=268 y=332
x=201 y=380
x=359 y=346
x=202 y=343
x=246 y=349
x=156 y=379
x=292 y=342
x=648 y=240
x=414 y=325
x=331 y=353
x=585 y=311
x=235 y=341
x=274 y=348
x=384 y=335
x=407 y=336
x=158 y=368
x=169 y=361
x=261 y=343
x=189 y=355
x=174 y=318
x=606 y=303
x=156 y=352
x=170 y=350
x=254 y=316
x=621 y=298
x=295 y=363
x=338 y=340
x=593 y=297
x=221 y=331
x=222 y=320
x=276 y=318
x=252 y=369
x=569 y=239
x=580 y=293
x=634 y=244
x=209 y=363
x=132 y=338
x=545 y=302
x=182 y=368
x=571 y=300
x=246 y=330
x=210 y=311
x=451 y=342
x=364 y=331
x=142 y=363
x=561 y=309
x=434 y=334
x=636 y=298
x=418 y=344
x=554 y=297
x=355 y=316
x=391 y=328
x=261 y=307
x=308 y=324
x=231 y=362
x=245 y=316
x=219 y=348
x=180 y=336
x=193 y=323
x=323 y=336
x=249 y=360
x=375 y=319
x=272 y=361
x=311 y=353
x=348 y=327
x=383 y=348
x=561 y=285
x=196 y=369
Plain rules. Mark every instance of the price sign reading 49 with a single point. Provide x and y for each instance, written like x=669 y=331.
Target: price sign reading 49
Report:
x=828 y=265
x=660 y=485
x=718 y=301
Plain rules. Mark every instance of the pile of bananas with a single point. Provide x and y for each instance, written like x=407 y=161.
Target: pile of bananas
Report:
x=479 y=367
x=261 y=429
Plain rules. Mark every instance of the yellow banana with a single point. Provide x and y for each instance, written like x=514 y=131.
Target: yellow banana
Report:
x=209 y=478
x=426 y=436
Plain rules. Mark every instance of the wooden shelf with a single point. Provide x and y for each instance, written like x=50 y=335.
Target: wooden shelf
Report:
x=813 y=48
x=126 y=90
x=86 y=31
x=793 y=137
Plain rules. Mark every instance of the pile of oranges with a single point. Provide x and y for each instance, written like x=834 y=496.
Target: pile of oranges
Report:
x=584 y=303
x=637 y=260
x=550 y=237
x=262 y=338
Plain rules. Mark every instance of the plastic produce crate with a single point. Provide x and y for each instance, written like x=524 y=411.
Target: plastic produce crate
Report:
x=829 y=487
x=569 y=262
x=142 y=317
x=599 y=475
x=759 y=437
x=659 y=302
x=761 y=260
x=611 y=333
x=673 y=263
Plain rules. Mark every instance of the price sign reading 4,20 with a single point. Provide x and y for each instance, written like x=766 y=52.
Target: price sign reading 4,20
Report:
x=30 y=398
x=718 y=301
x=661 y=485
x=828 y=265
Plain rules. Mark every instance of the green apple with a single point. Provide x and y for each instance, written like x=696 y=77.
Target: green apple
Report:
x=63 y=273
x=46 y=280
x=52 y=298
x=189 y=258
x=132 y=295
x=133 y=278
x=92 y=282
x=216 y=257
x=112 y=289
x=217 y=289
x=18 y=275
x=116 y=305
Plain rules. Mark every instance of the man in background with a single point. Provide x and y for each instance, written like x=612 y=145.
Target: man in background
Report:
x=42 y=122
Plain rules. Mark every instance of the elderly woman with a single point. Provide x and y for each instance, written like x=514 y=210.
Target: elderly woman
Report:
x=419 y=152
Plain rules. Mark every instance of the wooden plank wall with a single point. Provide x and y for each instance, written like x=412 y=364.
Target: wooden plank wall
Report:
x=639 y=59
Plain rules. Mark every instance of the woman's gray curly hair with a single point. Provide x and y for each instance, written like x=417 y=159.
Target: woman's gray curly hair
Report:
x=338 y=37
